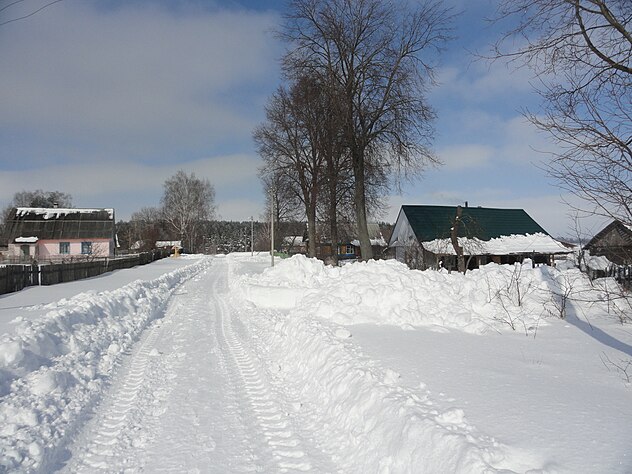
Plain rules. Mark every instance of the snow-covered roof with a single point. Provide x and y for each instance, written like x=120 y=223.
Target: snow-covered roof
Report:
x=60 y=223
x=380 y=242
x=168 y=243
x=26 y=240
x=55 y=212
x=504 y=245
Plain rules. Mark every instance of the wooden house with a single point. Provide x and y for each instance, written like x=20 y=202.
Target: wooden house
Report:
x=426 y=237
x=613 y=242
x=348 y=246
x=45 y=234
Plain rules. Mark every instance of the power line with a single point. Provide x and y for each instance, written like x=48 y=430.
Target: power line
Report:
x=30 y=14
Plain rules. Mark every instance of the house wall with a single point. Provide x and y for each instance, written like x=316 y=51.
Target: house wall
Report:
x=50 y=248
x=15 y=250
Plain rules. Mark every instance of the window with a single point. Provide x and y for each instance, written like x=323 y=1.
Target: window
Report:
x=64 y=248
x=86 y=248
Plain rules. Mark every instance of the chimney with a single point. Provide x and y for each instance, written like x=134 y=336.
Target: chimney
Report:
x=465 y=203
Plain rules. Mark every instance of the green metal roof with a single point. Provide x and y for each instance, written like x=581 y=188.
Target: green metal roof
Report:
x=434 y=222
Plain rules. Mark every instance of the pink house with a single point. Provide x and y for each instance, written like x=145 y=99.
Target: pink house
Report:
x=59 y=234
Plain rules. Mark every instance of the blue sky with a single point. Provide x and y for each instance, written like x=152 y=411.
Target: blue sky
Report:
x=107 y=99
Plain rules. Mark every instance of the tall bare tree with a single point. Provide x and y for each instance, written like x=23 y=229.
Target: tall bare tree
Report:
x=187 y=201
x=581 y=52
x=378 y=53
x=281 y=195
x=145 y=227
x=289 y=143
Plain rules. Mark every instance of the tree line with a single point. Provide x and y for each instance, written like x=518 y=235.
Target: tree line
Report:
x=352 y=117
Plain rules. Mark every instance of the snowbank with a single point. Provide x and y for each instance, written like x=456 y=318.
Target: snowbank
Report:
x=53 y=369
x=387 y=292
x=370 y=421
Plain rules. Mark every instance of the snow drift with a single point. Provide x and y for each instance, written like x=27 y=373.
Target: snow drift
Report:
x=53 y=369
x=371 y=422
x=387 y=292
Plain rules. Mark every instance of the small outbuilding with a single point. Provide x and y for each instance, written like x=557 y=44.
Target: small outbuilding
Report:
x=437 y=236
x=46 y=234
x=613 y=242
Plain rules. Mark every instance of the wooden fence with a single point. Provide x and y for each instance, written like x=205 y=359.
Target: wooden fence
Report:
x=16 y=277
x=621 y=273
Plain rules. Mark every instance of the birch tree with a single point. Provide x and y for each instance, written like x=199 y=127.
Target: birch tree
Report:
x=187 y=201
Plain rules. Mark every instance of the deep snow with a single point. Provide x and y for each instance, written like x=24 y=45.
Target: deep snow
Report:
x=217 y=365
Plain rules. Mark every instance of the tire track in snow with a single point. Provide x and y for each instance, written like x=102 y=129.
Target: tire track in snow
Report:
x=193 y=396
x=104 y=450
x=126 y=421
x=286 y=451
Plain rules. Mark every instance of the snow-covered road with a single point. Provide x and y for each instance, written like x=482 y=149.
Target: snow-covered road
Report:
x=192 y=397
x=222 y=365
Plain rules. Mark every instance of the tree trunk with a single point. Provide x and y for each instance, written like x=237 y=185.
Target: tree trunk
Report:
x=454 y=237
x=333 y=209
x=359 y=200
x=311 y=229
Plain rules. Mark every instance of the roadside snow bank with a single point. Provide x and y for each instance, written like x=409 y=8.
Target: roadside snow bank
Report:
x=367 y=421
x=53 y=369
x=364 y=418
x=387 y=292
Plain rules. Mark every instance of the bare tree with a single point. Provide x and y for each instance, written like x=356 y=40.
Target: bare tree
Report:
x=187 y=202
x=40 y=198
x=37 y=198
x=581 y=53
x=281 y=194
x=145 y=227
x=289 y=144
x=377 y=52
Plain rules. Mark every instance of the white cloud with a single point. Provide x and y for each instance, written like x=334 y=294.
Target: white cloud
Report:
x=134 y=81
x=479 y=81
x=239 y=209
x=128 y=186
x=465 y=156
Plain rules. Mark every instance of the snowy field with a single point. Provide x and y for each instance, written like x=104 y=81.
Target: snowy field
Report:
x=224 y=365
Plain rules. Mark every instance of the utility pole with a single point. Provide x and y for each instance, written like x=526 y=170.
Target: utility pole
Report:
x=272 y=225
x=252 y=236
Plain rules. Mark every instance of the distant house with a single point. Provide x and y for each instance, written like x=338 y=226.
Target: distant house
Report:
x=169 y=244
x=613 y=242
x=348 y=246
x=294 y=244
x=425 y=237
x=56 y=234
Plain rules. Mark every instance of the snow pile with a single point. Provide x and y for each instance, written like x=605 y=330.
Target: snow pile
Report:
x=53 y=369
x=596 y=262
x=367 y=420
x=387 y=292
x=372 y=424
x=505 y=245
x=26 y=240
